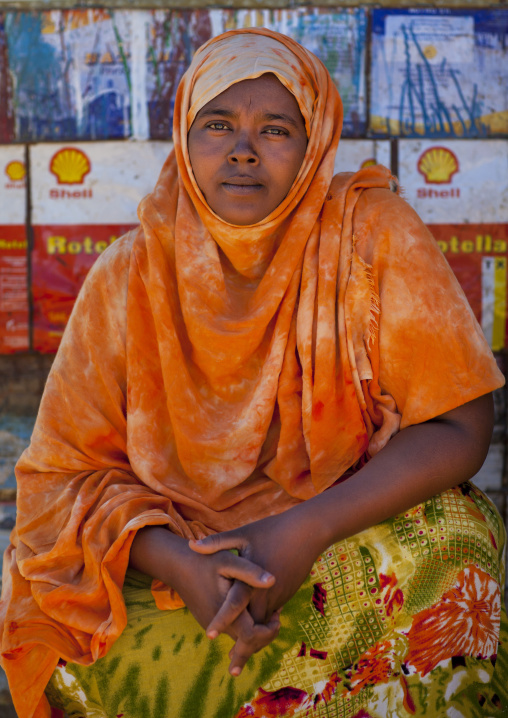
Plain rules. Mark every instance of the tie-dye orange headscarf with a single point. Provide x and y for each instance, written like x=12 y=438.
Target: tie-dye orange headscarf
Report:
x=211 y=375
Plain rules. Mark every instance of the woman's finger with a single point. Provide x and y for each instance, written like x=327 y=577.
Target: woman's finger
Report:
x=237 y=567
x=218 y=542
x=252 y=637
x=236 y=602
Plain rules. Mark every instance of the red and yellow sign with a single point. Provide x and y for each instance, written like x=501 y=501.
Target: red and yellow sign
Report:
x=438 y=165
x=70 y=165
x=16 y=171
x=13 y=290
x=478 y=255
x=61 y=258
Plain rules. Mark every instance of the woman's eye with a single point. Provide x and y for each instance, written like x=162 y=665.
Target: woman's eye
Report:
x=276 y=131
x=218 y=126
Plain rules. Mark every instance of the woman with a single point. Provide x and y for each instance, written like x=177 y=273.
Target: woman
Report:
x=282 y=363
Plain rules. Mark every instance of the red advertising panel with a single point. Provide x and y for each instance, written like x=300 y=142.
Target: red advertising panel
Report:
x=460 y=189
x=85 y=196
x=61 y=258
x=13 y=252
x=478 y=253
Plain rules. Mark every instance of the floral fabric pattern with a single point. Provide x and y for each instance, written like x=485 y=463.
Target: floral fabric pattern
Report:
x=405 y=619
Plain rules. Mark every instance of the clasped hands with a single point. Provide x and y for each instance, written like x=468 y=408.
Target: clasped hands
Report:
x=242 y=595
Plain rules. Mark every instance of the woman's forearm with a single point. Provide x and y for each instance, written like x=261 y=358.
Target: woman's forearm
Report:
x=159 y=553
x=419 y=462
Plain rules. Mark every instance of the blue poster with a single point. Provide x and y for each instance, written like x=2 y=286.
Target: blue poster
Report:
x=6 y=93
x=72 y=73
x=173 y=38
x=439 y=73
x=338 y=36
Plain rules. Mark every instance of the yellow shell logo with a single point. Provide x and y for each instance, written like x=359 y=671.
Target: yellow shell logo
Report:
x=438 y=165
x=15 y=171
x=430 y=52
x=368 y=163
x=70 y=165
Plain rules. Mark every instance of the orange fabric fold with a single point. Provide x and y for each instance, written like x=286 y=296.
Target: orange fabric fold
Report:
x=211 y=375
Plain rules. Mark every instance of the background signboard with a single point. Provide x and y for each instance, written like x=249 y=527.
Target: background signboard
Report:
x=439 y=72
x=354 y=155
x=460 y=190
x=84 y=196
x=73 y=73
x=13 y=251
x=6 y=90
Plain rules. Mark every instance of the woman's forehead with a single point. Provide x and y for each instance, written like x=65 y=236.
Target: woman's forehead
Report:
x=235 y=57
x=264 y=95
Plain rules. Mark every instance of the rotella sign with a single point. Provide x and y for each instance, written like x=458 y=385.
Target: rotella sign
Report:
x=13 y=252
x=84 y=196
x=460 y=190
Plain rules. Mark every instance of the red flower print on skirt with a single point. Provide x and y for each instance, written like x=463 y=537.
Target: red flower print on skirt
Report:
x=280 y=704
x=374 y=666
x=465 y=622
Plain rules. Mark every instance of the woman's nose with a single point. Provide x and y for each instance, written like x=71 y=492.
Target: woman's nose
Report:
x=243 y=151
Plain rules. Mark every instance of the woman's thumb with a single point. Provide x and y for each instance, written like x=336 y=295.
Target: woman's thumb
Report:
x=217 y=542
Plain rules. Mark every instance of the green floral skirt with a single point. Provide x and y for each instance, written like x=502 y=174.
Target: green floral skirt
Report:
x=405 y=619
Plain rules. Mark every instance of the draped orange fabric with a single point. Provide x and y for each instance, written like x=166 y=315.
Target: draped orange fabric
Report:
x=211 y=375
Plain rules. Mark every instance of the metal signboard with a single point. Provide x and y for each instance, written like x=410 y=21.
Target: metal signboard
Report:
x=84 y=195
x=439 y=72
x=460 y=190
x=13 y=251
x=353 y=155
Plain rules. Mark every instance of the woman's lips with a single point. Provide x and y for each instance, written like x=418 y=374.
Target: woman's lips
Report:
x=242 y=186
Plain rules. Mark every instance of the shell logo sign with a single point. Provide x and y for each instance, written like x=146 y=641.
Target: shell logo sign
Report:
x=70 y=165
x=15 y=171
x=368 y=163
x=438 y=165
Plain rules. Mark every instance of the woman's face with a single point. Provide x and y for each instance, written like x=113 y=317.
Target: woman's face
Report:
x=246 y=147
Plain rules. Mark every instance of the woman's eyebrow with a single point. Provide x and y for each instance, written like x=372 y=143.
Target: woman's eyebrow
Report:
x=271 y=117
x=267 y=116
x=216 y=111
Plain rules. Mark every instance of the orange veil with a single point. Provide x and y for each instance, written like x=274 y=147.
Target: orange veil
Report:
x=211 y=375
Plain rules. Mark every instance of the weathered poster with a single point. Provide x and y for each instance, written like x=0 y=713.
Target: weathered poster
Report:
x=353 y=155
x=84 y=197
x=13 y=251
x=6 y=99
x=105 y=74
x=439 y=72
x=172 y=38
x=338 y=36
x=73 y=73
x=460 y=190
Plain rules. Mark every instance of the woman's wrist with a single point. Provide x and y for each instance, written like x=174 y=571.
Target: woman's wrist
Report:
x=309 y=519
x=159 y=553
